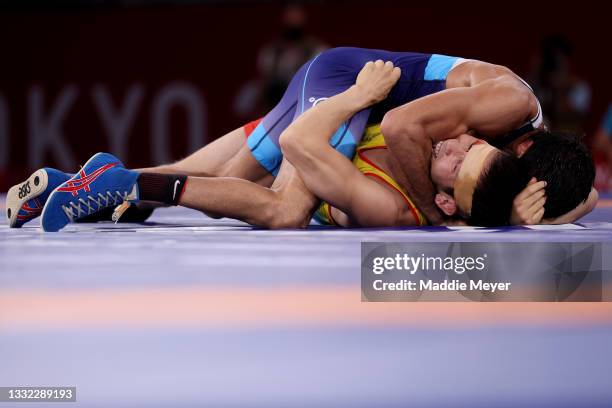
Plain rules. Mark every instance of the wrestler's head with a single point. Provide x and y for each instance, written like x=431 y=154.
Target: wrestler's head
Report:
x=564 y=162
x=475 y=180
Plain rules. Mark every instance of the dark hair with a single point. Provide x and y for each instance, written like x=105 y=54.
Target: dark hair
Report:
x=495 y=191
x=565 y=163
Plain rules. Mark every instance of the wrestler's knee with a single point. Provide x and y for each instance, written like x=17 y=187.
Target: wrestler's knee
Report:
x=287 y=221
x=283 y=214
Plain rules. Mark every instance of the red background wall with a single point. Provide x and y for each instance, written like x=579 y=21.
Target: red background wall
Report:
x=213 y=47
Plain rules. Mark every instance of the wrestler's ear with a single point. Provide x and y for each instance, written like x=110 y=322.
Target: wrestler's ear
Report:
x=522 y=147
x=446 y=203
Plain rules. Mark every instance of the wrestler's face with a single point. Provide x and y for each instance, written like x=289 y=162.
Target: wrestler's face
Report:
x=446 y=161
x=447 y=158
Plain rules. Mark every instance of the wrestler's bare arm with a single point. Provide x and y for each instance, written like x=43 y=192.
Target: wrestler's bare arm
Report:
x=328 y=174
x=490 y=108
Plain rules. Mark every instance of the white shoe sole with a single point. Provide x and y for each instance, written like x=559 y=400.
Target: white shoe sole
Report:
x=22 y=192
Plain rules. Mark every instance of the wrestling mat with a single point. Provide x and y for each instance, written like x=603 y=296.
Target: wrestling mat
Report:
x=188 y=311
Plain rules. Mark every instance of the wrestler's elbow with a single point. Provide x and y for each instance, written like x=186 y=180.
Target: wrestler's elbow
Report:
x=390 y=125
x=395 y=127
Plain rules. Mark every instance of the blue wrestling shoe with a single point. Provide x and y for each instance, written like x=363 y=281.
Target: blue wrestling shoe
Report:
x=25 y=201
x=102 y=183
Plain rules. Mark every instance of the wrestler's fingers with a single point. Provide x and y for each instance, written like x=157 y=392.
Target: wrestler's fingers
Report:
x=536 y=186
x=530 y=200
x=379 y=63
x=536 y=206
x=537 y=217
x=397 y=72
x=519 y=200
x=531 y=189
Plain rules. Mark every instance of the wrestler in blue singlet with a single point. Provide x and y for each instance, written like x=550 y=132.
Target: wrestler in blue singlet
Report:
x=333 y=72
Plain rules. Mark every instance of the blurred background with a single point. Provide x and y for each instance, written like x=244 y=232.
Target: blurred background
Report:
x=188 y=312
x=152 y=80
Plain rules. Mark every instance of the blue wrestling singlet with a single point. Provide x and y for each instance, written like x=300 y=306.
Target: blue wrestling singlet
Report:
x=333 y=72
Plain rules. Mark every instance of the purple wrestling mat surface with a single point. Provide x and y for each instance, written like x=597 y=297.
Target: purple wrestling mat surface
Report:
x=187 y=311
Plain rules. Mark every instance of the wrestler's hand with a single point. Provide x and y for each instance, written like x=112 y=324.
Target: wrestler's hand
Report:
x=528 y=206
x=375 y=81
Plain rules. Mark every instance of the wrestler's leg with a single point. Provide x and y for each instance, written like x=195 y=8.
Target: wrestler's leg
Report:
x=295 y=203
x=227 y=156
x=287 y=204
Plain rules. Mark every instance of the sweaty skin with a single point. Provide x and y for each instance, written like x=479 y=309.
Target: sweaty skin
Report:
x=480 y=98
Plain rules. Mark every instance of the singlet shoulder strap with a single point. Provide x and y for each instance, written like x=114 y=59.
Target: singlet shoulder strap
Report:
x=537 y=120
